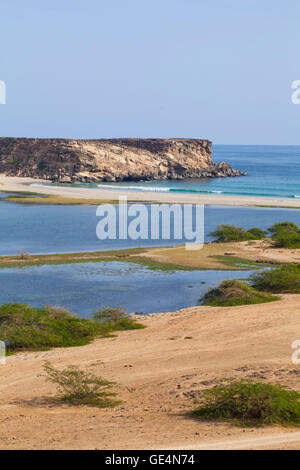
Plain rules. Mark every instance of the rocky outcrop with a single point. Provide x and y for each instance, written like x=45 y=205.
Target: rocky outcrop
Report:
x=63 y=160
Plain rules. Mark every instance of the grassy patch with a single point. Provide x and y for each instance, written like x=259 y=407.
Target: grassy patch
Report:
x=80 y=388
x=166 y=259
x=233 y=292
x=241 y=263
x=275 y=207
x=22 y=193
x=30 y=197
x=133 y=255
x=216 y=256
x=283 y=279
x=27 y=328
x=246 y=403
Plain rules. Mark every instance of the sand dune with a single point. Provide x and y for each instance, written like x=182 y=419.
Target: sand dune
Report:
x=161 y=370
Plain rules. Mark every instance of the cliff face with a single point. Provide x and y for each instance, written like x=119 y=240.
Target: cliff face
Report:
x=110 y=159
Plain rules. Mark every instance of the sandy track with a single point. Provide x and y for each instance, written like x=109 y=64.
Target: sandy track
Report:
x=161 y=370
x=262 y=442
x=12 y=183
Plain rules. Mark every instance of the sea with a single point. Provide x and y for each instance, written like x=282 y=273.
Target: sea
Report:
x=272 y=171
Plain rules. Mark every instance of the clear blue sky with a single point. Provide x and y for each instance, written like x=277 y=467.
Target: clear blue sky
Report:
x=217 y=69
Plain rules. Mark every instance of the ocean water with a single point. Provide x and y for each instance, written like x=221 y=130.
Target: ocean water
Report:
x=42 y=229
x=272 y=171
x=84 y=288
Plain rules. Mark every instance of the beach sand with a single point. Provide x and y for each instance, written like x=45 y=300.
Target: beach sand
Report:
x=161 y=371
x=8 y=183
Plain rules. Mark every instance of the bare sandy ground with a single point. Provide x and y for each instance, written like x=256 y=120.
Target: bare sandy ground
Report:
x=258 y=251
x=161 y=371
x=21 y=184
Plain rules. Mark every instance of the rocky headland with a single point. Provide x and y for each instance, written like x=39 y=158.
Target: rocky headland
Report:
x=92 y=161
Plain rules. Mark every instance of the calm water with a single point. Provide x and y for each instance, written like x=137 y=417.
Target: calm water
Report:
x=59 y=229
x=84 y=288
x=271 y=171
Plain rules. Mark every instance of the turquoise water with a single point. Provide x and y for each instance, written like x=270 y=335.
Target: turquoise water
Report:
x=272 y=171
x=84 y=288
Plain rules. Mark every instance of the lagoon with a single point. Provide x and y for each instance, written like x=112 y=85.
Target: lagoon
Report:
x=41 y=229
x=86 y=287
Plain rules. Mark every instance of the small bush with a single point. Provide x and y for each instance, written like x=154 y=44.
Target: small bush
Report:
x=233 y=292
x=284 y=279
x=283 y=225
x=80 y=388
x=257 y=233
x=229 y=233
x=115 y=319
x=23 y=254
x=110 y=314
x=247 y=403
x=285 y=235
x=287 y=238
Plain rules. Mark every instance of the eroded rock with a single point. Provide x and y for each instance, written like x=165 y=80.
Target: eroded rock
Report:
x=110 y=160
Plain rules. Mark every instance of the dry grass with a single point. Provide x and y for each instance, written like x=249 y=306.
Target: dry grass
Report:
x=211 y=256
x=61 y=200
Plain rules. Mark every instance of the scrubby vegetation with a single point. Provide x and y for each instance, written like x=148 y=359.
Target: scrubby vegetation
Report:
x=229 y=233
x=115 y=319
x=285 y=235
x=80 y=388
x=27 y=328
x=247 y=403
x=233 y=292
x=283 y=279
x=257 y=233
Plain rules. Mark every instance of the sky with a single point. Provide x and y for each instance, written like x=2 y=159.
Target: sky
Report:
x=215 y=69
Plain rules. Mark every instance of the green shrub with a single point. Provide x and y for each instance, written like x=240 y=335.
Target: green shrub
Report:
x=285 y=235
x=27 y=328
x=80 y=388
x=109 y=314
x=228 y=233
x=283 y=225
x=115 y=319
x=233 y=292
x=286 y=238
x=284 y=279
x=257 y=233
x=247 y=403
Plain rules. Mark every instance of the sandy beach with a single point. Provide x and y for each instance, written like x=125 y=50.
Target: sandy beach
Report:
x=161 y=371
x=8 y=183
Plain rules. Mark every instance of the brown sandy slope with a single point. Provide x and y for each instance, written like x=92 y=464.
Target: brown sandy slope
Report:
x=161 y=369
